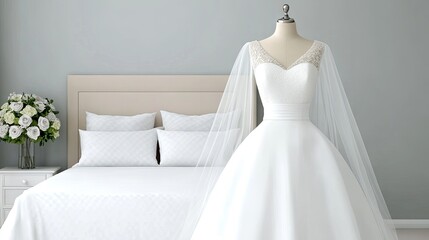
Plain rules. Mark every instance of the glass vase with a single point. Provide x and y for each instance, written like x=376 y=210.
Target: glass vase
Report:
x=26 y=155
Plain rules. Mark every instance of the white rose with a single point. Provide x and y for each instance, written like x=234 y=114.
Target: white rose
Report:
x=33 y=132
x=9 y=117
x=3 y=112
x=52 y=106
x=51 y=117
x=3 y=130
x=15 y=132
x=15 y=97
x=4 y=106
x=57 y=124
x=56 y=135
x=29 y=110
x=43 y=123
x=25 y=121
x=16 y=106
x=38 y=98
x=26 y=96
x=40 y=106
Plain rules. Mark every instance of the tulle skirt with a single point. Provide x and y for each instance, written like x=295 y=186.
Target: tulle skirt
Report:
x=287 y=181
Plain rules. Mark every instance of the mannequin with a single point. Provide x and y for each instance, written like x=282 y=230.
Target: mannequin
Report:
x=287 y=178
x=286 y=45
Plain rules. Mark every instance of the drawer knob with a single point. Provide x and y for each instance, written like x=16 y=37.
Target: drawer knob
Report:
x=24 y=182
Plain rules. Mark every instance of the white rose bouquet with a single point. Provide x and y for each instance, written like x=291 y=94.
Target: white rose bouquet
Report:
x=28 y=116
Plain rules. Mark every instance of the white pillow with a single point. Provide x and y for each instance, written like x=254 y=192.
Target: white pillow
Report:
x=95 y=122
x=118 y=149
x=180 y=148
x=180 y=122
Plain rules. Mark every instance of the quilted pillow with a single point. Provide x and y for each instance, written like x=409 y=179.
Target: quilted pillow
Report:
x=184 y=148
x=95 y=122
x=118 y=149
x=180 y=122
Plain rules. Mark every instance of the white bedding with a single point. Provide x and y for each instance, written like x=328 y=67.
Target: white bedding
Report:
x=103 y=203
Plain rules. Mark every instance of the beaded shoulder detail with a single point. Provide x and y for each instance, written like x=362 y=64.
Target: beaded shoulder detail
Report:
x=313 y=55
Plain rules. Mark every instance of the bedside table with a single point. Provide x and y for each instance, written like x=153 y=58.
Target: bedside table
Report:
x=14 y=181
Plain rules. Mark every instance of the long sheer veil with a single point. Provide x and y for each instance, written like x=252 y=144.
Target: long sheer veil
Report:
x=331 y=113
x=236 y=118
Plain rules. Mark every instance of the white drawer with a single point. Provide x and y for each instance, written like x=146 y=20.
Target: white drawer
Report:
x=9 y=196
x=23 y=180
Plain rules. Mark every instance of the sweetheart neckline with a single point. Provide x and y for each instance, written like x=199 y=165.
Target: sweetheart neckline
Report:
x=294 y=63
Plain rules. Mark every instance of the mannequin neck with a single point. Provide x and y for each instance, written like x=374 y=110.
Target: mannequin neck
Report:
x=286 y=31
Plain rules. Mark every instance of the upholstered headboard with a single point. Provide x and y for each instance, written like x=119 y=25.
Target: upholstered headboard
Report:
x=134 y=94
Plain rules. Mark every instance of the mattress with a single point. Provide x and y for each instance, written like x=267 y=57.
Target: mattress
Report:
x=104 y=203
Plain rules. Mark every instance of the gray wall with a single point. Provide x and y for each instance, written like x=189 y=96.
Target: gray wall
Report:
x=380 y=47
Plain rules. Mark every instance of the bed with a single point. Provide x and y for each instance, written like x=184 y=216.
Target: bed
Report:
x=116 y=202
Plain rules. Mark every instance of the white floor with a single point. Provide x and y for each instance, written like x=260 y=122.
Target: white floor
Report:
x=413 y=234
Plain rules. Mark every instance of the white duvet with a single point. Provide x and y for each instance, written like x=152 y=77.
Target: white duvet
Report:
x=103 y=203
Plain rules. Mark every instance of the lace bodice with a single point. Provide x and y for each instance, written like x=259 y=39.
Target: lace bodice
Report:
x=278 y=84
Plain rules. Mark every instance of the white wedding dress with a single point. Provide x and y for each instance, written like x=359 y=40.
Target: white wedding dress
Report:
x=287 y=181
